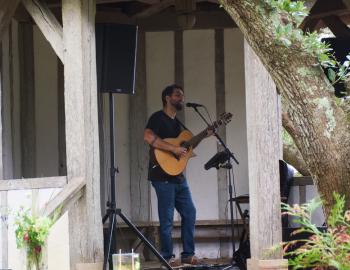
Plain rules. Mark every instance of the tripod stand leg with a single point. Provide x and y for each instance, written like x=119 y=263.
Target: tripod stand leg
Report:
x=144 y=240
x=110 y=236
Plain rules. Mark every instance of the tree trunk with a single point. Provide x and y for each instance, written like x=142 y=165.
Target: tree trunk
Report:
x=292 y=156
x=320 y=126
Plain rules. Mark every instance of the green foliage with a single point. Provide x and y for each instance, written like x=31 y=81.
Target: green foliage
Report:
x=31 y=233
x=321 y=249
x=286 y=16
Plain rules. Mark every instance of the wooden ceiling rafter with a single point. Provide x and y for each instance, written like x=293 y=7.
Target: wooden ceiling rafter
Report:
x=47 y=23
x=322 y=9
x=8 y=8
x=337 y=26
x=154 y=9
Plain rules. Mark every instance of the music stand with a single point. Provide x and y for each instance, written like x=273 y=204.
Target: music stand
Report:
x=112 y=210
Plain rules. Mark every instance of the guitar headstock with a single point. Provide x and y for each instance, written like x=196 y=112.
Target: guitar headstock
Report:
x=224 y=119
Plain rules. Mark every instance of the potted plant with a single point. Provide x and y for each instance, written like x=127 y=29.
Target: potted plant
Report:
x=327 y=249
x=31 y=233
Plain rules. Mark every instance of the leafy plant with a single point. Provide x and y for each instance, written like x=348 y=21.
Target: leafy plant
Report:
x=286 y=17
x=328 y=249
x=31 y=233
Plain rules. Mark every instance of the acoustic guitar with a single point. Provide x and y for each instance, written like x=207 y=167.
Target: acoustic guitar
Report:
x=174 y=165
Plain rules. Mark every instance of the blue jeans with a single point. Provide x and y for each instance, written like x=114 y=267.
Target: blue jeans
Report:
x=175 y=196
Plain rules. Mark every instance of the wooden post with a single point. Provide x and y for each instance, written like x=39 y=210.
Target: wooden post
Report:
x=82 y=145
x=62 y=162
x=3 y=194
x=105 y=162
x=27 y=99
x=6 y=162
x=47 y=23
x=139 y=186
x=220 y=108
x=263 y=155
x=7 y=9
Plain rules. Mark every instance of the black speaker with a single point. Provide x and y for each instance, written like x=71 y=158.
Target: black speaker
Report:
x=116 y=46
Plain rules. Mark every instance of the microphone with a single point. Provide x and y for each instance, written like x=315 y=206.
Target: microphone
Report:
x=193 y=105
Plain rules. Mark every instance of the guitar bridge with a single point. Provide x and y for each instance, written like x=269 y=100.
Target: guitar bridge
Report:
x=175 y=156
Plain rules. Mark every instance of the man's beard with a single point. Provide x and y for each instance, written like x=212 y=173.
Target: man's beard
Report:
x=178 y=106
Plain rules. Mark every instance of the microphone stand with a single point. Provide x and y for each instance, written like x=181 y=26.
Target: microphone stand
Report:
x=229 y=167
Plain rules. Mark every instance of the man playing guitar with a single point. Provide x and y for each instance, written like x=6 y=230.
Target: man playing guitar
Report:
x=172 y=189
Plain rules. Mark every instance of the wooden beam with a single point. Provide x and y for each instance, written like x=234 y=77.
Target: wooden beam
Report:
x=7 y=80
x=309 y=4
x=263 y=141
x=220 y=108
x=166 y=21
x=151 y=2
x=154 y=9
x=140 y=189
x=64 y=197
x=101 y=2
x=310 y=25
x=302 y=181
x=82 y=144
x=27 y=99
x=62 y=162
x=47 y=23
x=7 y=10
x=33 y=183
x=337 y=26
x=322 y=6
x=335 y=12
x=3 y=194
x=347 y=3
x=321 y=9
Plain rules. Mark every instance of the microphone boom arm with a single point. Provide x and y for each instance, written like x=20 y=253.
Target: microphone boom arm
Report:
x=217 y=136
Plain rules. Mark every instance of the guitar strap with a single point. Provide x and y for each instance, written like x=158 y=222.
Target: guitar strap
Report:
x=181 y=124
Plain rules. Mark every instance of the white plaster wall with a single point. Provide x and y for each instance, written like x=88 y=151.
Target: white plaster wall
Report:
x=122 y=155
x=57 y=241
x=236 y=130
x=58 y=245
x=46 y=106
x=15 y=124
x=160 y=70
x=199 y=80
x=318 y=217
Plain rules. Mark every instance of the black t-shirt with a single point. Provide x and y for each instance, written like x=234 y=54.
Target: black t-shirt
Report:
x=164 y=127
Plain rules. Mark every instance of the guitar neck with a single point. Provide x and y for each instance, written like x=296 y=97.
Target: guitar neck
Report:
x=195 y=140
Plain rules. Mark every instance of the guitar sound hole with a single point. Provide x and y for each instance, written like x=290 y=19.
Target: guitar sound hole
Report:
x=185 y=144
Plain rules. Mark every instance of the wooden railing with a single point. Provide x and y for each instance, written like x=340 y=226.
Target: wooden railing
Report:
x=302 y=182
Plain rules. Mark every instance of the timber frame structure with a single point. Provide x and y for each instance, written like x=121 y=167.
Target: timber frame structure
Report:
x=73 y=41
x=74 y=44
